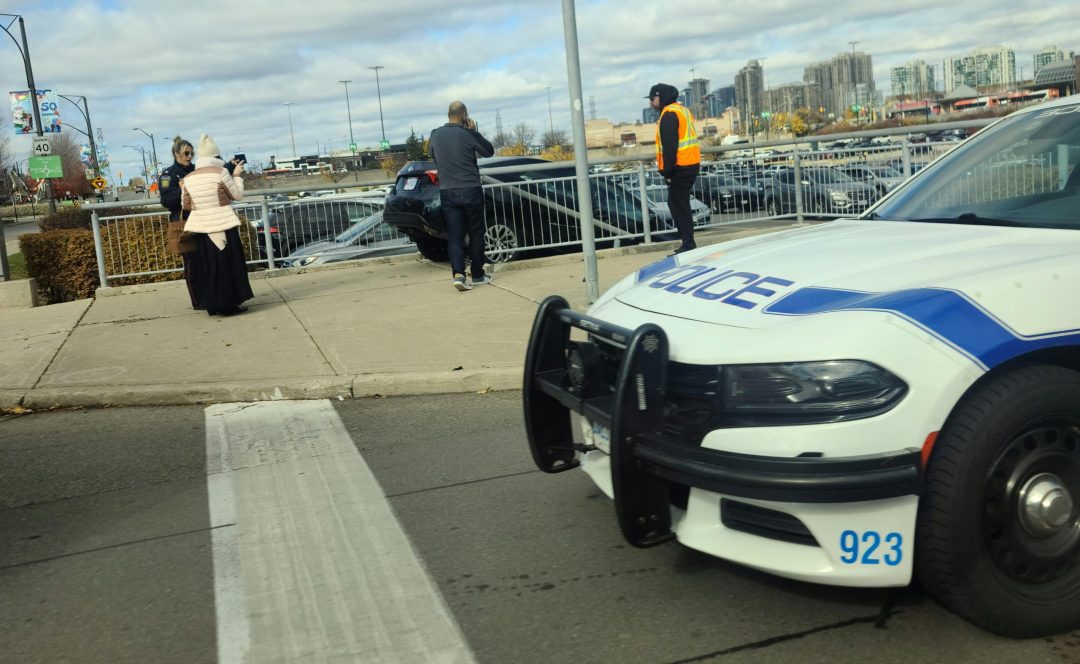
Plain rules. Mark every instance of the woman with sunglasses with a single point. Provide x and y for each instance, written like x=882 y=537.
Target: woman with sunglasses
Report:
x=170 y=199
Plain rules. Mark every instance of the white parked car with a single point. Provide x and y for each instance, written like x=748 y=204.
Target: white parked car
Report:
x=852 y=402
x=656 y=196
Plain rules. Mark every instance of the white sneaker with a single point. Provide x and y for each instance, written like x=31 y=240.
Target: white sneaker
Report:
x=486 y=279
x=460 y=283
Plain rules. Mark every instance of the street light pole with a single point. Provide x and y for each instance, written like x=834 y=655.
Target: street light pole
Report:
x=288 y=106
x=157 y=164
x=851 y=74
x=85 y=110
x=551 y=119
x=24 y=50
x=378 y=90
x=142 y=151
x=348 y=109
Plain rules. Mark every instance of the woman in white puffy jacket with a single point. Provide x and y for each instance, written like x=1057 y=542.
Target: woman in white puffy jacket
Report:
x=219 y=263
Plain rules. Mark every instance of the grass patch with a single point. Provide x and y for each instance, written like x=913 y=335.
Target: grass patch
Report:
x=17 y=264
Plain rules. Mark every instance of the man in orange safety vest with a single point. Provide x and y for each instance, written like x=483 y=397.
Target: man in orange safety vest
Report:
x=678 y=157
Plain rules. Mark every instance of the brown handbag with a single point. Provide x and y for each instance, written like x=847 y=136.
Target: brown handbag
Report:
x=180 y=241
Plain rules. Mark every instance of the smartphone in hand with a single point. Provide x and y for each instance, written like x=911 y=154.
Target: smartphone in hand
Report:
x=240 y=157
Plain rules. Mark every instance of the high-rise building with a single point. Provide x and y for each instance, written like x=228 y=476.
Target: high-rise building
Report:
x=913 y=80
x=984 y=67
x=1045 y=56
x=786 y=98
x=818 y=78
x=649 y=115
x=748 y=87
x=695 y=96
x=837 y=85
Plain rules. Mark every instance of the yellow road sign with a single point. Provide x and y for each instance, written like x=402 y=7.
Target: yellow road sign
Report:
x=99 y=182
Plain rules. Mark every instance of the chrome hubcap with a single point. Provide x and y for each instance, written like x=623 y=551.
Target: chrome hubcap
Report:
x=1046 y=505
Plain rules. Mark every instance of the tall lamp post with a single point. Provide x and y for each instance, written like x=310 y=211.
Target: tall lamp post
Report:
x=153 y=147
x=142 y=151
x=24 y=51
x=89 y=128
x=378 y=90
x=551 y=120
x=288 y=106
x=348 y=109
x=854 y=88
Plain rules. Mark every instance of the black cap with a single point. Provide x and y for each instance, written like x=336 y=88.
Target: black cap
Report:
x=653 y=91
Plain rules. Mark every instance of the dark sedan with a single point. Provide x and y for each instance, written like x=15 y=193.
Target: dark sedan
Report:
x=725 y=193
x=301 y=222
x=824 y=191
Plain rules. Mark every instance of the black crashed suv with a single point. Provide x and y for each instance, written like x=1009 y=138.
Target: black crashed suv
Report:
x=536 y=211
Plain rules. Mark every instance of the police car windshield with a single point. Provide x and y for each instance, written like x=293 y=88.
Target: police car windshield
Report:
x=1021 y=172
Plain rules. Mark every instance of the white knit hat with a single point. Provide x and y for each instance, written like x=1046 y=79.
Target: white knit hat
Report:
x=207 y=149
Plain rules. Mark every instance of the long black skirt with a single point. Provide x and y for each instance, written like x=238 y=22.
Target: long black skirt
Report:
x=220 y=274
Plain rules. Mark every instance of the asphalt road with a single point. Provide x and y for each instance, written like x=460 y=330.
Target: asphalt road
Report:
x=107 y=552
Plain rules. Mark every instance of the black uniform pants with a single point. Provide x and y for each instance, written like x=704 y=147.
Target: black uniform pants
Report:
x=679 y=203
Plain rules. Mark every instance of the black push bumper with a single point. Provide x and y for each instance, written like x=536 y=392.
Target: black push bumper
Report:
x=644 y=462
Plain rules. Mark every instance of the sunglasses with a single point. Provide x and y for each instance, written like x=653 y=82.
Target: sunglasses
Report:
x=186 y=153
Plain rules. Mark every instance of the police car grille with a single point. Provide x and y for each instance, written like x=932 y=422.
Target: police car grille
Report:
x=692 y=397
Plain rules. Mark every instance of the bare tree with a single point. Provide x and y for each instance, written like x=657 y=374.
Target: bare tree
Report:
x=5 y=168
x=521 y=138
x=554 y=137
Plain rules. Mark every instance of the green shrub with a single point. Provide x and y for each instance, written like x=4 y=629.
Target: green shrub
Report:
x=79 y=217
x=65 y=265
x=62 y=262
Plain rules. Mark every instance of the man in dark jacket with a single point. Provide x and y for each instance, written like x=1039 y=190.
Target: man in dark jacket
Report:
x=454 y=147
x=678 y=157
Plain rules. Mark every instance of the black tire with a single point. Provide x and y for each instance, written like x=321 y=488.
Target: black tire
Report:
x=433 y=250
x=977 y=551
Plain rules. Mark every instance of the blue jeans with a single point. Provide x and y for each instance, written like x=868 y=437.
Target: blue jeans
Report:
x=463 y=209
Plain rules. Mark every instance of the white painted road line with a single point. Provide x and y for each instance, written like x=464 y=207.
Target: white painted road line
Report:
x=310 y=563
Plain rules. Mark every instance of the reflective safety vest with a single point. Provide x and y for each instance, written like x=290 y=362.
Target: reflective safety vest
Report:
x=689 y=153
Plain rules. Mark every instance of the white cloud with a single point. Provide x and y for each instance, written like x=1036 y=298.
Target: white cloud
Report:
x=226 y=68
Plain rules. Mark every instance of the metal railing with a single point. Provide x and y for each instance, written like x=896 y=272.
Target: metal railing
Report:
x=533 y=207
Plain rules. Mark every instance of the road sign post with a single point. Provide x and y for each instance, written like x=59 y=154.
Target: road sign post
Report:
x=98 y=183
x=384 y=145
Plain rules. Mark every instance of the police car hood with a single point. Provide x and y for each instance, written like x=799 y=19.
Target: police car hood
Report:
x=854 y=265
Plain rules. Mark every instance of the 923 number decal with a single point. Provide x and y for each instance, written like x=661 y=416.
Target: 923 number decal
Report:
x=871 y=548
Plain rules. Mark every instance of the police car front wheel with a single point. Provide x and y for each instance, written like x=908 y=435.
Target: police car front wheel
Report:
x=999 y=530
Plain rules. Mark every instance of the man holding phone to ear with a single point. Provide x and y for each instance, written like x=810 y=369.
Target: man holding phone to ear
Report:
x=454 y=148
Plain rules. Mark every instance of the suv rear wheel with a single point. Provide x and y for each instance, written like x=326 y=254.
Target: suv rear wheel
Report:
x=433 y=250
x=502 y=243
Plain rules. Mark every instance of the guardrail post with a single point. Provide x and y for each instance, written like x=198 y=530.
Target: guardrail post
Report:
x=907 y=158
x=270 y=265
x=798 y=189
x=644 y=202
x=99 y=248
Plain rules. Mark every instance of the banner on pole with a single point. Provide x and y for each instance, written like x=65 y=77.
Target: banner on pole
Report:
x=22 y=113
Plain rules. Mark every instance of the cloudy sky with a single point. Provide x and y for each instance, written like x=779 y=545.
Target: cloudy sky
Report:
x=227 y=67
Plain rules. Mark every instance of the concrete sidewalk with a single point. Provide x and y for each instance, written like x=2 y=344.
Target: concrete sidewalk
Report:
x=388 y=326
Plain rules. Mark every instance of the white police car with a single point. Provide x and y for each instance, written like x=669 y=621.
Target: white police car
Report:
x=851 y=402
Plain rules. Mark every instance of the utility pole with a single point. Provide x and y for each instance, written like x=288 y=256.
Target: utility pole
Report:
x=348 y=109
x=551 y=120
x=378 y=90
x=851 y=75
x=288 y=107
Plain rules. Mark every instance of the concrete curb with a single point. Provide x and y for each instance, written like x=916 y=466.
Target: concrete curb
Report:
x=316 y=387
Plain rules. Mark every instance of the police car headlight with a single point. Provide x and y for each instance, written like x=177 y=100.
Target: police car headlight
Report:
x=306 y=260
x=839 y=196
x=582 y=358
x=836 y=389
